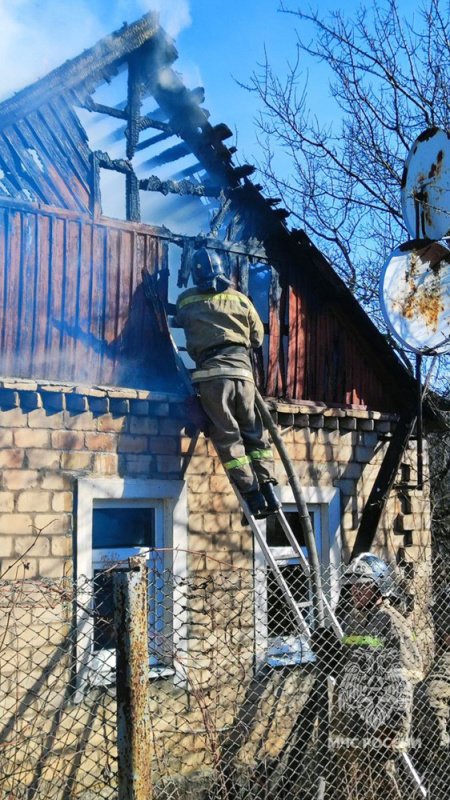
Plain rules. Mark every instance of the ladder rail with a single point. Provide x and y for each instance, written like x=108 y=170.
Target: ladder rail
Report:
x=335 y=624
x=259 y=536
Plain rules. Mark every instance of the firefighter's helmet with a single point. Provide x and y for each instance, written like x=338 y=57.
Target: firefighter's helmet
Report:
x=208 y=271
x=369 y=568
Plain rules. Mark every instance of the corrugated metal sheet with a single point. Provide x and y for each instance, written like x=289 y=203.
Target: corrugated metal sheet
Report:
x=72 y=305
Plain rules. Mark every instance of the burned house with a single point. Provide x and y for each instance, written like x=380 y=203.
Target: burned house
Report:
x=95 y=458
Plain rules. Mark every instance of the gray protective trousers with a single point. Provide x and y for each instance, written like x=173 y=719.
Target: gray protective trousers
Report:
x=237 y=432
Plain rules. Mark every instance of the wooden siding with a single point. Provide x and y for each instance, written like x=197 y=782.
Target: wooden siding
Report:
x=72 y=309
x=72 y=305
x=44 y=157
x=327 y=358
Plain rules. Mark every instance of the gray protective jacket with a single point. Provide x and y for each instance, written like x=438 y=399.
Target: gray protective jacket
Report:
x=214 y=320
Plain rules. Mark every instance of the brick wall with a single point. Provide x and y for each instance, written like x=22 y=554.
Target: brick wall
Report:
x=51 y=435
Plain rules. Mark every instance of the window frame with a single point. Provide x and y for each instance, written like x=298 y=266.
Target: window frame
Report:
x=325 y=503
x=169 y=499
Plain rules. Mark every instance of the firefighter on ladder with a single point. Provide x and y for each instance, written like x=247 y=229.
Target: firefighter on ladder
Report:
x=221 y=327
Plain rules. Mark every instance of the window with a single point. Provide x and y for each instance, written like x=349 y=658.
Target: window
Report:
x=116 y=520
x=278 y=639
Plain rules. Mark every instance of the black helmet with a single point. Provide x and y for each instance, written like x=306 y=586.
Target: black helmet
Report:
x=207 y=270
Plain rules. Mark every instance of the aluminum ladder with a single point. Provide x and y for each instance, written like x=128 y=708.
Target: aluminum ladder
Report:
x=287 y=530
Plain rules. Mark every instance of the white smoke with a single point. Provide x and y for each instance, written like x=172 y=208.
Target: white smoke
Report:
x=39 y=35
x=174 y=15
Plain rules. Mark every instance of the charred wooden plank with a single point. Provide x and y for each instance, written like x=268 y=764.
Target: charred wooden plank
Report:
x=155 y=184
x=110 y=111
x=274 y=336
x=133 y=107
x=169 y=155
x=132 y=197
x=116 y=164
x=244 y=171
x=3 y=273
x=12 y=290
x=111 y=293
x=153 y=140
x=148 y=122
x=97 y=320
x=55 y=162
x=10 y=187
x=243 y=273
x=71 y=294
x=41 y=320
x=291 y=382
x=71 y=147
x=26 y=311
x=84 y=348
x=284 y=331
x=26 y=184
x=186 y=264
x=72 y=126
x=48 y=184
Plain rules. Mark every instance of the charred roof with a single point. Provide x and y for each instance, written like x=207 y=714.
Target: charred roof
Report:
x=46 y=161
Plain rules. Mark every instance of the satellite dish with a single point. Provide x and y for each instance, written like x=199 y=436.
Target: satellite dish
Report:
x=415 y=296
x=425 y=193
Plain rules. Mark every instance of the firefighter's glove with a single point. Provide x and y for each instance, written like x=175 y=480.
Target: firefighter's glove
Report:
x=196 y=419
x=327 y=648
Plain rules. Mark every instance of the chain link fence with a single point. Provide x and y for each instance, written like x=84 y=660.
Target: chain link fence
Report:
x=241 y=704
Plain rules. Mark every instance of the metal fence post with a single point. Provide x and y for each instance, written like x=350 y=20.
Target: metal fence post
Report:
x=132 y=681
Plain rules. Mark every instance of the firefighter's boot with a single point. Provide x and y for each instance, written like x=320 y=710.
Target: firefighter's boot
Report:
x=256 y=503
x=272 y=501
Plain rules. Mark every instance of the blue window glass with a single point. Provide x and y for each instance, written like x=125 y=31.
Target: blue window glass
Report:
x=123 y=527
x=116 y=530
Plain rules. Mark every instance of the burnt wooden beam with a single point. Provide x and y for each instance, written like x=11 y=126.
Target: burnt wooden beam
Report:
x=220 y=132
x=155 y=184
x=243 y=274
x=186 y=263
x=153 y=140
x=143 y=123
x=244 y=171
x=384 y=482
x=188 y=171
x=110 y=111
x=219 y=217
x=197 y=95
x=133 y=107
x=167 y=156
x=237 y=248
x=133 y=206
x=116 y=164
x=148 y=122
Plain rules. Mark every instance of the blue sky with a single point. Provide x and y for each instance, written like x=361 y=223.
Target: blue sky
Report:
x=218 y=41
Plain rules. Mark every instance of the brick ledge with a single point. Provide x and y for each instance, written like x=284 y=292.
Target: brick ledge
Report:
x=77 y=398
